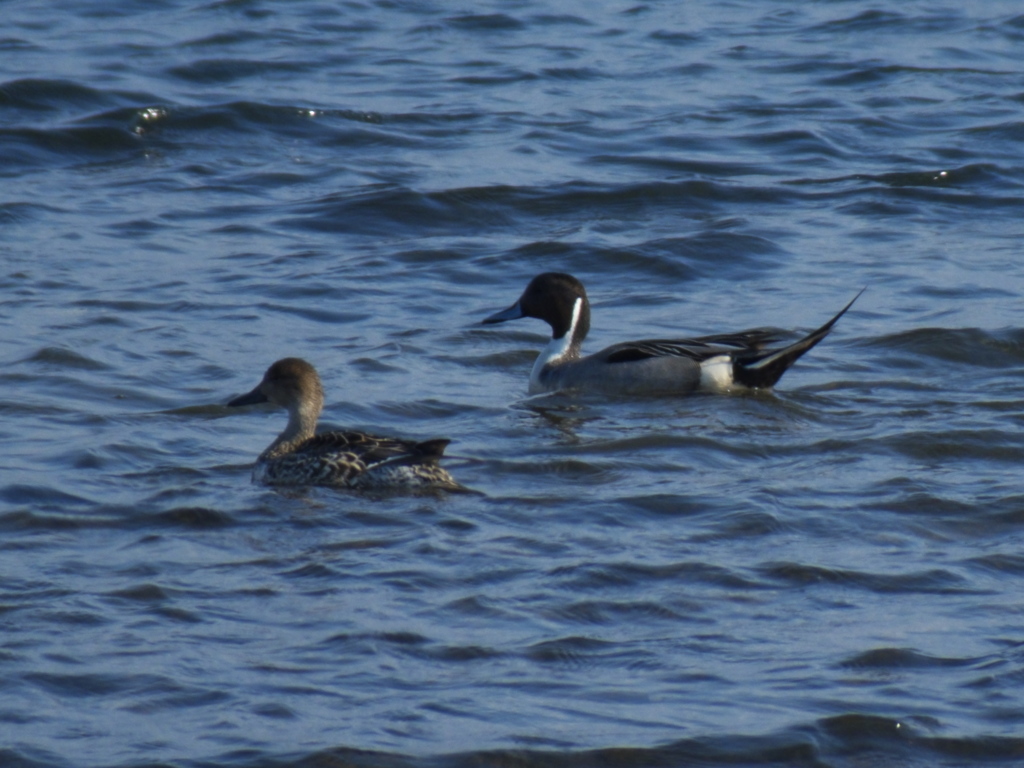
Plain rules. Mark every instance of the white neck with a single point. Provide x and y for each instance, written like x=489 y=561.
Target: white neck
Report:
x=557 y=351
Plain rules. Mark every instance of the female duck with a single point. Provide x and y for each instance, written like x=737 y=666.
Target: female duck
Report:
x=340 y=459
x=674 y=367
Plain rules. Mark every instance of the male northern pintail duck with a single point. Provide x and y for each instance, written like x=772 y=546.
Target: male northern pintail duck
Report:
x=721 y=362
x=341 y=459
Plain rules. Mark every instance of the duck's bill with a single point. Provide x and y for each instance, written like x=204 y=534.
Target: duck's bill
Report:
x=512 y=313
x=250 y=398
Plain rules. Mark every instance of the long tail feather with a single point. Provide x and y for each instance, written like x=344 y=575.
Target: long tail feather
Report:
x=764 y=369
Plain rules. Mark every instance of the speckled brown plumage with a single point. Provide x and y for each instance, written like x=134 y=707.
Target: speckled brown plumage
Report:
x=343 y=459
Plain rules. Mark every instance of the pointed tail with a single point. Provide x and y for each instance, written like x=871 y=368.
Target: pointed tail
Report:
x=429 y=451
x=763 y=369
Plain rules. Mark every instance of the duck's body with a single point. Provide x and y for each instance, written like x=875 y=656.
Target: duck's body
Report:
x=342 y=459
x=718 y=363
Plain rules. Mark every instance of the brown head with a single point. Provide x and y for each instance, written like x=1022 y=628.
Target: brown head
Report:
x=290 y=383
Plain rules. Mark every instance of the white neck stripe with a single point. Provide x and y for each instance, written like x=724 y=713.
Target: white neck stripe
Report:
x=576 y=309
x=556 y=349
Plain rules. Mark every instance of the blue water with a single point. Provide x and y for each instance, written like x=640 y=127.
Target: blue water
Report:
x=827 y=575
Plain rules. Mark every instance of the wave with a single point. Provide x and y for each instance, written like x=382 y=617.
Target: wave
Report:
x=851 y=740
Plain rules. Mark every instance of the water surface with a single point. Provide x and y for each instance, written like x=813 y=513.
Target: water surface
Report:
x=830 y=574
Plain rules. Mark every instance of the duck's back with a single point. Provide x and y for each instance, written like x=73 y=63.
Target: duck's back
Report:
x=356 y=460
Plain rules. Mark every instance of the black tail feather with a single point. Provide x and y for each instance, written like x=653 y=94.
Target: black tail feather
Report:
x=430 y=450
x=763 y=369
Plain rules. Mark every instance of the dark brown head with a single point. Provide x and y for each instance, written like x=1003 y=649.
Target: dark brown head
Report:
x=557 y=299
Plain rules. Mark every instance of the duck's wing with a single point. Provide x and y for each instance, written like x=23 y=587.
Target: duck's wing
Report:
x=698 y=349
x=353 y=459
x=368 y=448
x=357 y=452
x=753 y=339
x=335 y=458
x=312 y=468
x=756 y=364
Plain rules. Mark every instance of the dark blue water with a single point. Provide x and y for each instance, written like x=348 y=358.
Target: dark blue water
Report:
x=827 y=575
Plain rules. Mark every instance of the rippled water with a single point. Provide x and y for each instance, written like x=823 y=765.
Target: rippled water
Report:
x=827 y=575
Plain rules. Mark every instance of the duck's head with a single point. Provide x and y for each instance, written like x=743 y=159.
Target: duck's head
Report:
x=558 y=299
x=290 y=383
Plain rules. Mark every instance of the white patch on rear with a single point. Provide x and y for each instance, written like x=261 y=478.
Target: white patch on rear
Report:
x=555 y=351
x=716 y=373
